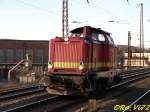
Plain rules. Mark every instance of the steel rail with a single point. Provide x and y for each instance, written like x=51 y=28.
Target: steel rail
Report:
x=133 y=75
x=51 y=98
x=21 y=93
x=129 y=81
x=135 y=72
x=17 y=89
x=138 y=100
x=30 y=104
x=84 y=108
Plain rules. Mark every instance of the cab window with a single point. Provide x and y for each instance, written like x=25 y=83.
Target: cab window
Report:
x=110 y=39
x=101 y=37
x=94 y=36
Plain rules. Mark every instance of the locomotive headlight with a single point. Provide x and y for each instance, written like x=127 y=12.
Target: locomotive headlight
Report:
x=66 y=39
x=50 y=65
x=81 y=66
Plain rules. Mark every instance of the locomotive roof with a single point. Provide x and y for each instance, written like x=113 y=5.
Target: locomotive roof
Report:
x=80 y=30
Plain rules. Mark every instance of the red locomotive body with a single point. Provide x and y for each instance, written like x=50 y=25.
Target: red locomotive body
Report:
x=84 y=61
x=65 y=56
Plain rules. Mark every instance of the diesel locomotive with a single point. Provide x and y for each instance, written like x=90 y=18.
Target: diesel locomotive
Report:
x=83 y=62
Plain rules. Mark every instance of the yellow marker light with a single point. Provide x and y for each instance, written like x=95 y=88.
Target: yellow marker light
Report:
x=50 y=65
x=81 y=67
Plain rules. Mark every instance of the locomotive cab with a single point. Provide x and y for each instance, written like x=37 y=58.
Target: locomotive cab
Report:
x=92 y=34
x=81 y=61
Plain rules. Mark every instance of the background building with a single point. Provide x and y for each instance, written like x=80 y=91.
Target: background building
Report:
x=12 y=51
x=136 y=61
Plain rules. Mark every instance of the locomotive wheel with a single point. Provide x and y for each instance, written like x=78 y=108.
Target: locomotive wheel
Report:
x=98 y=86
x=117 y=79
x=104 y=83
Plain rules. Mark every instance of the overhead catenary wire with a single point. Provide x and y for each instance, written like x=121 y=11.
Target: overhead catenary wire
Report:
x=57 y=14
x=38 y=7
x=102 y=9
x=106 y=11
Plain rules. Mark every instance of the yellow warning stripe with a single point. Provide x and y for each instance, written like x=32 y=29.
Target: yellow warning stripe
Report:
x=76 y=65
x=66 y=65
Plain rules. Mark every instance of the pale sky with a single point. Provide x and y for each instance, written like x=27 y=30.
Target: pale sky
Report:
x=41 y=19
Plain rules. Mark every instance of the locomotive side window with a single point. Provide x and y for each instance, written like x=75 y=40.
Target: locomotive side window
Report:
x=94 y=36
x=98 y=37
x=110 y=39
x=101 y=37
x=77 y=34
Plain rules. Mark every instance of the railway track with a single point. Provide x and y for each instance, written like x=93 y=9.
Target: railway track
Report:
x=13 y=96
x=30 y=104
x=7 y=96
x=133 y=72
x=134 y=78
x=139 y=99
x=19 y=93
x=14 y=93
x=106 y=96
x=132 y=93
x=48 y=104
x=13 y=90
x=51 y=101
